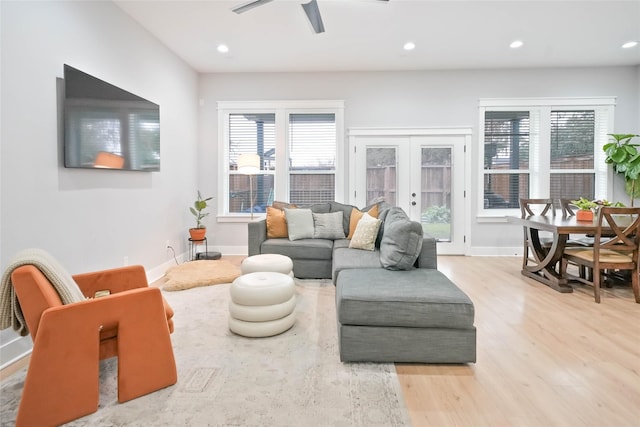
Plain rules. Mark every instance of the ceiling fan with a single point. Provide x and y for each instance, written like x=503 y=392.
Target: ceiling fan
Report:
x=311 y=9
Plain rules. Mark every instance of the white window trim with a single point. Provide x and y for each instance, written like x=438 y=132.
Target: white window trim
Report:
x=282 y=109
x=604 y=181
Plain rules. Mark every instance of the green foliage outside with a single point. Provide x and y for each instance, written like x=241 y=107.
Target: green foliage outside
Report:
x=436 y=222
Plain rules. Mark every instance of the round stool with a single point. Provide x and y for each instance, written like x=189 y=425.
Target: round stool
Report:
x=267 y=262
x=262 y=304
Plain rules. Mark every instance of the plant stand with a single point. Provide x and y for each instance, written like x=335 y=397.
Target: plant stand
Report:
x=193 y=248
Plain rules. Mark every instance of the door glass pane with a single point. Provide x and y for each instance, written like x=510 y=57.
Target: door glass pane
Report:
x=435 y=184
x=381 y=174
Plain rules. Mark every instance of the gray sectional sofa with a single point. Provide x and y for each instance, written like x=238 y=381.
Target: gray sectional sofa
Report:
x=392 y=303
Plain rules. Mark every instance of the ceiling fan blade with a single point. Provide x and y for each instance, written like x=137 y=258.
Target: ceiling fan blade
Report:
x=249 y=5
x=313 y=13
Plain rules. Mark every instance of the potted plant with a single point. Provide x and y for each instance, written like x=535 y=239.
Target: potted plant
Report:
x=199 y=231
x=585 y=209
x=625 y=158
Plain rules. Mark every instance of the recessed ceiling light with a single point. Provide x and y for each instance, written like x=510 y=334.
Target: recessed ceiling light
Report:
x=223 y=48
x=628 y=45
x=409 y=46
x=516 y=44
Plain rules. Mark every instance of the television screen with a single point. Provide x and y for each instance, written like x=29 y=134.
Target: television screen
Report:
x=107 y=127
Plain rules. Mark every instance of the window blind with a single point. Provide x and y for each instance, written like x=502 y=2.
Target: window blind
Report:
x=312 y=142
x=252 y=133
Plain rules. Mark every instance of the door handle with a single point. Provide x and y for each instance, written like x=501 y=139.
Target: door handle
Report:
x=413 y=194
x=413 y=203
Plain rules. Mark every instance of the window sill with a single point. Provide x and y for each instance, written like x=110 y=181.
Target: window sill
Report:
x=240 y=219
x=491 y=218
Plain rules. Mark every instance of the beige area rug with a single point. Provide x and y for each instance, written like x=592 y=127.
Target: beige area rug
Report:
x=193 y=274
x=292 y=379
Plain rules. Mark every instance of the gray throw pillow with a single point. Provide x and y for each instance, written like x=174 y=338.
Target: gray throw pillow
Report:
x=346 y=214
x=328 y=225
x=299 y=223
x=401 y=241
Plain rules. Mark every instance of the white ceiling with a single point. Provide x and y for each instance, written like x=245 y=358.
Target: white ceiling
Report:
x=369 y=34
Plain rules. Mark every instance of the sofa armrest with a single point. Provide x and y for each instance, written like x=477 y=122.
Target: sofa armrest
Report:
x=428 y=255
x=256 y=235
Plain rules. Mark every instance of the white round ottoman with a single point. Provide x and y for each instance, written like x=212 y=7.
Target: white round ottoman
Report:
x=262 y=304
x=267 y=262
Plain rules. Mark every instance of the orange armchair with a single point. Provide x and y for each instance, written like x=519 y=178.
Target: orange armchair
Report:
x=132 y=322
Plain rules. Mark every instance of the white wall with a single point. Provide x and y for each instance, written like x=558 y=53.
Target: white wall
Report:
x=413 y=99
x=91 y=219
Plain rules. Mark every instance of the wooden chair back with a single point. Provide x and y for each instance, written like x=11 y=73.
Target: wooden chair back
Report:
x=529 y=207
x=566 y=207
x=615 y=248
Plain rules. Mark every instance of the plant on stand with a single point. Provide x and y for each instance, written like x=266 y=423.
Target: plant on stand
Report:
x=625 y=158
x=199 y=231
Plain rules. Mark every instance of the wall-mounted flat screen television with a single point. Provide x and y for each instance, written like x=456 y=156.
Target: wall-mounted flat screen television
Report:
x=106 y=127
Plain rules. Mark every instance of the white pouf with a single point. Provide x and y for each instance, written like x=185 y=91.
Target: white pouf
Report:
x=262 y=329
x=267 y=262
x=263 y=288
x=262 y=313
x=262 y=304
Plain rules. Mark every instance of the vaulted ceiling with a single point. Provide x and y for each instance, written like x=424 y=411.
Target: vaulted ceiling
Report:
x=369 y=34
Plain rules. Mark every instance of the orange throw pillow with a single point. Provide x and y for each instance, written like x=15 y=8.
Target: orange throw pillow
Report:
x=276 y=223
x=356 y=215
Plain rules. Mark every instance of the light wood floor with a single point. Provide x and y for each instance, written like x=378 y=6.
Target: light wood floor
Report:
x=544 y=358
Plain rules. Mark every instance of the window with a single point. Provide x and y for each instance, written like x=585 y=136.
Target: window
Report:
x=297 y=143
x=312 y=158
x=542 y=148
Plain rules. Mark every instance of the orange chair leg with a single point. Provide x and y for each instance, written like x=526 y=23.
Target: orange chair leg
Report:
x=62 y=382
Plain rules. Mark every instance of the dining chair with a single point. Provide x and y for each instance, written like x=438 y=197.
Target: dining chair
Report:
x=568 y=209
x=530 y=207
x=613 y=251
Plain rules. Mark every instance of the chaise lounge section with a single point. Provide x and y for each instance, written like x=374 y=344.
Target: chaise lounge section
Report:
x=392 y=303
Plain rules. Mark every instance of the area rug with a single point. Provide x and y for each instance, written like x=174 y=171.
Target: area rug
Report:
x=292 y=379
x=193 y=274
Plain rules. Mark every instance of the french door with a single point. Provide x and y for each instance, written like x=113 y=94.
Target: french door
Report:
x=420 y=170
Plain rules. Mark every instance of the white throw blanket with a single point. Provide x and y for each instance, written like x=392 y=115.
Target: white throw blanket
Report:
x=67 y=288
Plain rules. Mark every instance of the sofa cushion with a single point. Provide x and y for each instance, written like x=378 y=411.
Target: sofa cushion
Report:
x=418 y=298
x=299 y=223
x=366 y=232
x=320 y=249
x=328 y=225
x=276 y=223
x=345 y=258
x=401 y=241
x=320 y=208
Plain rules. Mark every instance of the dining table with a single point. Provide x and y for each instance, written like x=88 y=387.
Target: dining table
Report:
x=545 y=265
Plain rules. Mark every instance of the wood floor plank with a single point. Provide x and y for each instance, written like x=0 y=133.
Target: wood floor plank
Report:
x=543 y=358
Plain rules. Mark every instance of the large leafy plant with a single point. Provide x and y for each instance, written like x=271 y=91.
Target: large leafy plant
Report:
x=625 y=158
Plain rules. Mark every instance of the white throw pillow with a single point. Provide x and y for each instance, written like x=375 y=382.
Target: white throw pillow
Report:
x=299 y=223
x=366 y=232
